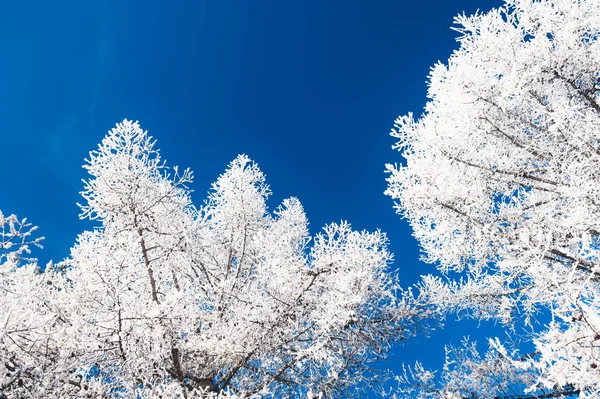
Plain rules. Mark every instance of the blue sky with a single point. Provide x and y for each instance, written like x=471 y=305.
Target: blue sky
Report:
x=308 y=89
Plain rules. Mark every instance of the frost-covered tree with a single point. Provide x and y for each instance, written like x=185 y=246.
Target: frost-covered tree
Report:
x=29 y=321
x=500 y=184
x=163 y=299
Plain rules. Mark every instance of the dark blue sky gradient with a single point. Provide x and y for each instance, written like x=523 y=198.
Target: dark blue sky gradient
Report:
x=308 y=89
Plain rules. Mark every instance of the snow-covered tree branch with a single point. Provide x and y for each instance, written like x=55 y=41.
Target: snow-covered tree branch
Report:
x=500 y=183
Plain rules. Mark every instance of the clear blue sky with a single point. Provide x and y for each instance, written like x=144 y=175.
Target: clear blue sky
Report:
x=308 y=89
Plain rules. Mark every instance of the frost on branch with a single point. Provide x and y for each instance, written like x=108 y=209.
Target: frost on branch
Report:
x=165 y=299
x=500 y=181
x=499 y=373
x=16 y=238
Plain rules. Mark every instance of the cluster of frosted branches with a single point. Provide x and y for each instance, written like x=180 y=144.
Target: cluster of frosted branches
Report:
x=164 y=299
x=16 y=238
x=27 y=318
x=501 y=183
